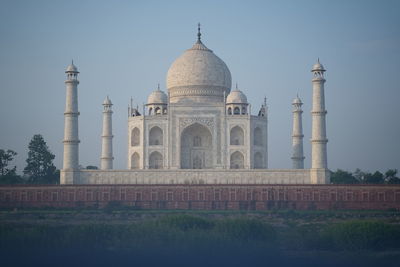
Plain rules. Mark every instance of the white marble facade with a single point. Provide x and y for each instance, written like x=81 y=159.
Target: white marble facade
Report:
x=200 y=123
x=199 y=131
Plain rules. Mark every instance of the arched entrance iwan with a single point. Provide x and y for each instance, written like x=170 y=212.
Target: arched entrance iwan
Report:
x=196 y=147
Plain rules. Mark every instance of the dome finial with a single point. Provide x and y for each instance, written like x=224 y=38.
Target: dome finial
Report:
x=158 y=87
x=198 y=33
x=237 y=87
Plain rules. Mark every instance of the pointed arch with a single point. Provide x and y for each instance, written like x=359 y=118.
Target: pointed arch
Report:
x=258 y=161
x=135 y=161
x=237 y=136
x=196 y=147
x=156 y=136
x=156 y=160
x=135 y=137
x=237 y=160
x=258 y=140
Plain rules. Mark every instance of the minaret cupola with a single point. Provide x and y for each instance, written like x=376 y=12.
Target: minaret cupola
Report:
x=318 y=70
x=236 y=103
x=157 y=102
x=72 y=72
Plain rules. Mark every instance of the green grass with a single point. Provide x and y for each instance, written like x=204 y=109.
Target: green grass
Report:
x=299 y=235
x=192 y=229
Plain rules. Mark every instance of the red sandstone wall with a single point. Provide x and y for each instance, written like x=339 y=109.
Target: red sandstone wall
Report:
x=219 y=197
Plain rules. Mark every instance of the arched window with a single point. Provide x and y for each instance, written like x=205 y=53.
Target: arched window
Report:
x=258 y=161
x=197 y=141
x=135 y=137
x=156 y=160
x=236 y=111
x=135 y=161
x=237 y=160
x=164 y=111
x=243 y=110
x=150 y=111
x=156 y=136
x=237 y=136
x=229 y=111
x=157 y=111
x=258 y=140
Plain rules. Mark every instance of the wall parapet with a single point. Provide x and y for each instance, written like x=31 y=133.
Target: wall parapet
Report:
x=204 y=176
x=207 y=197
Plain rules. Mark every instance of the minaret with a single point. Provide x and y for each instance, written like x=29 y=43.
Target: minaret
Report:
x=297 y=135
x=106 y=137
x=318 y=140
x=71 y=138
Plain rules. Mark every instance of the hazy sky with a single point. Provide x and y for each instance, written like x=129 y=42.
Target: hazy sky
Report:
x=124 y=48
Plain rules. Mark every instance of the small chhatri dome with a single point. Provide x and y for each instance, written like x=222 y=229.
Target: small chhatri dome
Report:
x=198 y=75
x=107 y=101
x=72 y=68
x=157 y=97
x=318 y=66
x=236 y=97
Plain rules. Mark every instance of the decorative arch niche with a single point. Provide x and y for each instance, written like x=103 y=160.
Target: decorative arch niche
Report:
x=237 y=160
x=258 y=161
x=156 y=160
x=258 y=140
x=237 y=136
x=135 y=161
x=156 y=136
x=135 y=137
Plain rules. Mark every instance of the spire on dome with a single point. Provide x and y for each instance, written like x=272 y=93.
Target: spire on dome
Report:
x=318 y=67
x=72 y=68
x=198 y=33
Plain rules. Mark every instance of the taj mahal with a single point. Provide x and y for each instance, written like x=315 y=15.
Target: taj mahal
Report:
x=201 y=131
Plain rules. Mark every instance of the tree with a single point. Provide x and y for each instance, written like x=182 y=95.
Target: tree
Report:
x=40 y=167
x=391 y=178
x=8 y=175
x=359 y=175
x=91 y=167
x=343 y=177
x=5 y=158
x=375 y=178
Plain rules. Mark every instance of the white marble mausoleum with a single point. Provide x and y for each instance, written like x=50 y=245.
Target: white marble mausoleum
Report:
x=200 y=131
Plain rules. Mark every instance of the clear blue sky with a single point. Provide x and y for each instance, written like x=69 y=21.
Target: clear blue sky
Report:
x=124 y=48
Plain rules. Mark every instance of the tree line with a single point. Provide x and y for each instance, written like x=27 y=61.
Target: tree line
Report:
x=39 y=167
x=360 y=177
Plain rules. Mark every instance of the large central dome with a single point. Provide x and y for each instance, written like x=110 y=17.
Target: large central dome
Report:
x=198 y=75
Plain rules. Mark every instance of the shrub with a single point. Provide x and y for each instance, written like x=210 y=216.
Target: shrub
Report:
x=358 y=235
x=245 y=229
x=186 y=222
